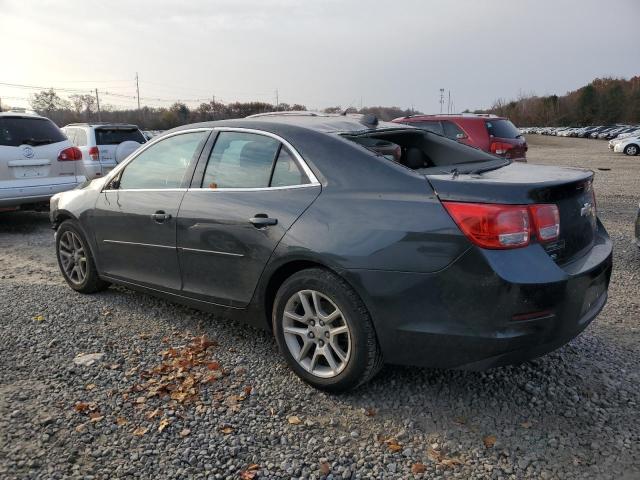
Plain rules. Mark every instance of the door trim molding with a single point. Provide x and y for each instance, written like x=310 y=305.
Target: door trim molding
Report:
x=213 y=252
x=122 y=242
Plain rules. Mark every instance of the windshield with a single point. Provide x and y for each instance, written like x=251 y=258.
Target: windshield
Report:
x=115 y=136
x=502 y=129
x=16 y=131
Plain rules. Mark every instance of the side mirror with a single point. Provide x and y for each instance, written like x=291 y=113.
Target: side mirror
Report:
x=460 y=136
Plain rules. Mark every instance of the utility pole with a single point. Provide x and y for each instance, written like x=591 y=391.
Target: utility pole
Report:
x=0 y=104
x=213 y=107
x=441 y=99
x=449 y=103
x=98 y=105
x=138 y=91
x=277 y=100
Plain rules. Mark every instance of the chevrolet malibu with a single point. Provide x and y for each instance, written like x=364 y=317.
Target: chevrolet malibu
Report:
x=356 y=242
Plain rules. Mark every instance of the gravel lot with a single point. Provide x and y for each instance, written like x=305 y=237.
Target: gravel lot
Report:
x=571 y=414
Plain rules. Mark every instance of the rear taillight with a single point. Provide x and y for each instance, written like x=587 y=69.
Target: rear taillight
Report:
x=546 y=220
x=497 y=226
x=94 y=153
x=500 y=148
x=70 y=154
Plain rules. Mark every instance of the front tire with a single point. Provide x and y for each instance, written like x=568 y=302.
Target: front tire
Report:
x=631 y=149
x=324 y=331
x=75 y=260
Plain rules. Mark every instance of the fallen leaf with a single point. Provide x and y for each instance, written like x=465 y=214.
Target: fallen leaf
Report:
x=247 y=390
x=121 y=421
x=141 y=400
x=39 y=318
x=440 y=458
x=153 y=414
x=418 y=468
x=81 y=428
x=393 y=445
x=91 y=386
x=489 y=441
x=294 y=420
x=164 y=423
x=213 y=365
x=370 y=412
x=325 y=469
x=250 y=473
x=185 y=432
x=81 y=407
x=96 y=417
x=226 y=430
x=140 y=431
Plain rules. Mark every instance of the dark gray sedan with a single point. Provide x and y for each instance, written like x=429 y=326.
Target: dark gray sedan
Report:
x=355 y=241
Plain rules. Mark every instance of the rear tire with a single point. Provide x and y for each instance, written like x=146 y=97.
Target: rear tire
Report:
x=324 y=331
x=75 y=259
x=631 y=149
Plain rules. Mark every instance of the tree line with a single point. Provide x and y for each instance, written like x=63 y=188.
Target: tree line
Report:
x=604 y=101
x=84 y=108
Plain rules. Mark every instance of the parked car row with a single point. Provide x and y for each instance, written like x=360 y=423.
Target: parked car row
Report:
x=38 y=159
x=603 y=132
x=622 y=138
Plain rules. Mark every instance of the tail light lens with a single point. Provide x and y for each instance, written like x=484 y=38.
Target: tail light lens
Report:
x=546 y=219
x=70 y=154
x=94 y=153
x=500 y=148
x=490 y=225
x=496 y=226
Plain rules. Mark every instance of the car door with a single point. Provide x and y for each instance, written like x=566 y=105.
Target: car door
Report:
x=247 y=193
x=134 y=219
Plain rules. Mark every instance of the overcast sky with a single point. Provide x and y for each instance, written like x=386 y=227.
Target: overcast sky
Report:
x=319 y=53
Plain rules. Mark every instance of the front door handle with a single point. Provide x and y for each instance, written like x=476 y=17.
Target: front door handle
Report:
x=160 y=216
x=262 y=220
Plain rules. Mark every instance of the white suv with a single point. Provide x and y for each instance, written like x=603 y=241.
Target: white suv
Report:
x=103 y=145
x=36 y=161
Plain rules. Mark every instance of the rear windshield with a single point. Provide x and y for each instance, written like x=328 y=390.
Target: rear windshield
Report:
x=16 y=131
x=502 y=129
x=115 y=136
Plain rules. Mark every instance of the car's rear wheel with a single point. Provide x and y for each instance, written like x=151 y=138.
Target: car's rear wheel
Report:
x=324 y=331
x=75 y=259
x=631 y=149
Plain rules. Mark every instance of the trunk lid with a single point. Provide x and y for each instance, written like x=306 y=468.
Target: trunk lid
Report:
x=571 y=189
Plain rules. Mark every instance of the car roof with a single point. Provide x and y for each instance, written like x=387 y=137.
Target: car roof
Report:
x=324 y=123
x=102 y=124
x=21 y=115
x=441 y=116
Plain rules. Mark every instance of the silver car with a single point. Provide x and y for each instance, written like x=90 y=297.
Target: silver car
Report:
x=36 y=161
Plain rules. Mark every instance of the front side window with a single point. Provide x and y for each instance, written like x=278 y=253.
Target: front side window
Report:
x=164 y=164
x=240 y=160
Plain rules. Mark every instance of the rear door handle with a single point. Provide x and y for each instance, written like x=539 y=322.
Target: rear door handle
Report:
x=160 y=216
x=262 y=220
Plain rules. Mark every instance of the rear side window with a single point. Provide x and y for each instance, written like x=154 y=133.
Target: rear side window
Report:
x=16 y=131
x=81 y=138
x=115 y=136
x=164 y=164
x=287 y=172
x=502 y=129
x=433 y=126
x=240 y=160
x=451 y=130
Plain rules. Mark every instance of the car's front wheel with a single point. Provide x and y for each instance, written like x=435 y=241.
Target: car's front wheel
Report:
x=324 y=331
x=75 y=260
x=631 y=149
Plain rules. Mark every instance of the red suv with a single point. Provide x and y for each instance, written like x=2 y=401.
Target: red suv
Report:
x=490 y=133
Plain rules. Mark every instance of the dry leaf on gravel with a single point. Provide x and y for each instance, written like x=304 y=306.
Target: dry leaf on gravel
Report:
x=325 y=469
x=121 y=421
x=294 y=420
x=164 y=423
x=140 y=431
x=96 y=416
x=489 y=441
x=442 y=459
x=393 y=445
x=418 y=468
x=153 y=414
x=39 y=318
x=90 y=386
x=250 y=473
x=227 y=430
x=185 y=432
x=370 y=412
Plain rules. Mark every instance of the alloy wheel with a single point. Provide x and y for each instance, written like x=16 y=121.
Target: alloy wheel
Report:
x=73 y=259
x=316 y=333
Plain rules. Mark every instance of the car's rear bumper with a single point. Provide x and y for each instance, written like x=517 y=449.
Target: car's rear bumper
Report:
x=16 y=196
x=488 y=308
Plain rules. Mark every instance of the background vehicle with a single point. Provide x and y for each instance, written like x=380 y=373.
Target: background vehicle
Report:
x=492 y=134
x=103 y=145
x=36 y=161
x=629 y=146
x=230 y=216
